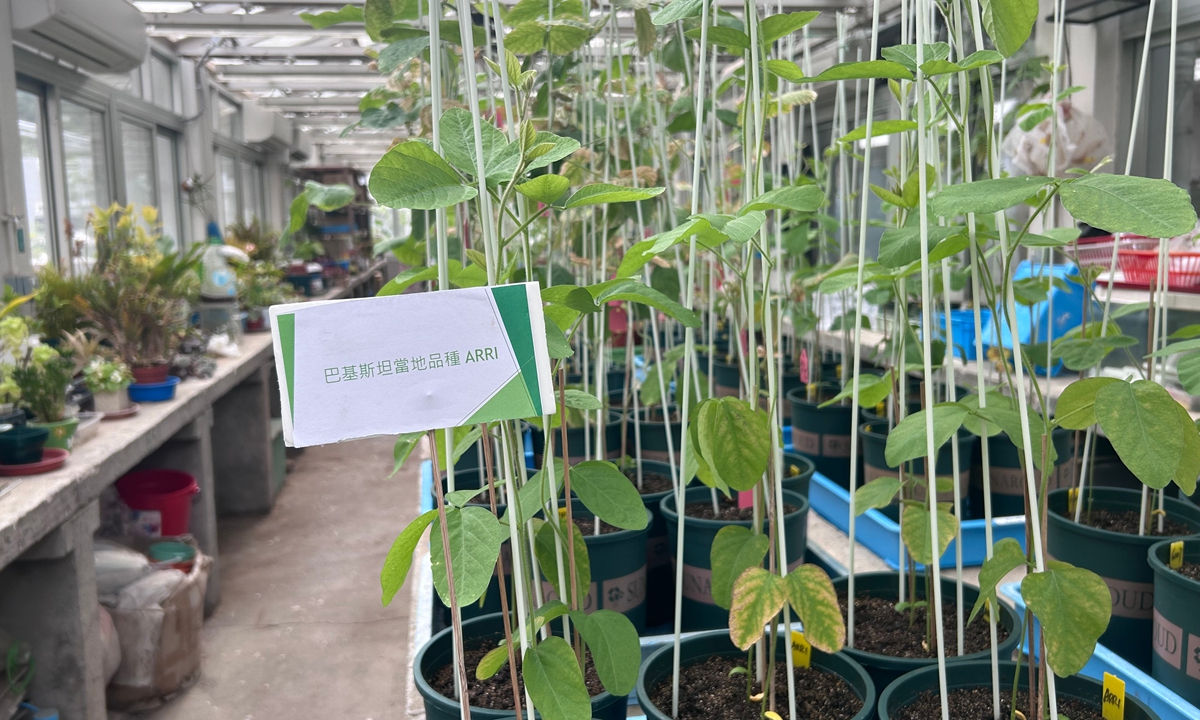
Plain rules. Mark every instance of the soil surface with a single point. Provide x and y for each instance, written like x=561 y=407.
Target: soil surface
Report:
x=496 y=692
x=652 y=482
x=879 y=628
x=1126 y=521
x=729 y=510
x=1190 y=569
x=708 y=692
x=976 y=704
x=587 y=527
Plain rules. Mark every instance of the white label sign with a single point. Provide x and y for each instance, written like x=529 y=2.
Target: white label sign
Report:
x=405 y=363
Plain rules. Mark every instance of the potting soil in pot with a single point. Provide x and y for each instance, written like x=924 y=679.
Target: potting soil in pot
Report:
x=496 y=693
x=708 y=692
x=1127 y=522
x=882 y=629
x=976 y=704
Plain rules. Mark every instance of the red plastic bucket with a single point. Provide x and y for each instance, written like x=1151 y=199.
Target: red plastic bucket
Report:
x=167 y=491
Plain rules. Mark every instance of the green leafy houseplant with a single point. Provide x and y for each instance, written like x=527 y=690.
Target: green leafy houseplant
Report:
x=43 y=377
x=108 y=376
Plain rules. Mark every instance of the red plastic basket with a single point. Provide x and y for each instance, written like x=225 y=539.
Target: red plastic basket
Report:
x=1141 y=267
x=1097 y=251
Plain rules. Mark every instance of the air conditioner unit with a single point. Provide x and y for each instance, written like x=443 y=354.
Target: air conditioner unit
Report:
x=102 y=36
x=302 y=146
x=266 y=127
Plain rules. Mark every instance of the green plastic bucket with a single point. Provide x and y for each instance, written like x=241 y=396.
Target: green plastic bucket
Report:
x=1119 y=559
x=1008 y=479
x=976 y=674
x=823 y=434
x=884 y=669
x=1176 y=662
x=874 y=444
x=487 y=630
x=699 y=610
x=702 y=646
x=654 y=435
x=727 y=380
x=797 y=473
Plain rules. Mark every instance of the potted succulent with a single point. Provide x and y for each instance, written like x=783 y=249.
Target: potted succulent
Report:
x=109 y=382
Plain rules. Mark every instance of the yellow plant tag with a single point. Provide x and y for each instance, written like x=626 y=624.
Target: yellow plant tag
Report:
x=562 y=513
x=1072 y=499
x=1113 y=703
x=801 y=650
x=774 y=715
x=1176 y=554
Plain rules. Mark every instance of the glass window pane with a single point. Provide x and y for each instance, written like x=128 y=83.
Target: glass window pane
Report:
x=138 y=151
x=33 y=164
x=250 y=193
x=227 y=167
x=85 y=161
x=162 y=80
x=168 y=187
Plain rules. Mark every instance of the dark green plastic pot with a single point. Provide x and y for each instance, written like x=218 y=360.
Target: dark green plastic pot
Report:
x=660 y=581
x=884 y=669
x=874 y=444
x=576 y=439
x=797 y=473
x=618 y=564
x=482 y=631
x=1176 y=662
x=699 y=610
x=1119 y=559
x=727 y=379
x=1007 y=477
x=700 y=647
x=823 y=434
x=654 y=435
x=975 y=674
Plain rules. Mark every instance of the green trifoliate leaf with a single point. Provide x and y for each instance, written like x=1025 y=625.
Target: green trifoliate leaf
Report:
x=986 y=196
x=412 y=175
x=726 y=37
x=878 y=493
x=734 y=550
x=328 y=197
x=907 y=441
x=900 y=246
x=786 y=69
x=605 y=490
x=604 y=193
x=400 y=52
x=546 y=189
x=475 y=539
x=1076 y=407
x=916 y=531
x=554 y=681
x=906 y=55
x=399 y=557
x=1008 y=23
x=1073 y=606
x=776 y=26
x=547 y=558
x=758 y=596
x=811 y=595
x=866 y=70
x=1141 y=421
x=631 y=290
x=799 y=198
x=872 y=389
x=1007 y=556
x=1130 y=204
x=677 y=10
x=580 y=400
x=526 y=38
x=500 y=157
x=735 y=440
x=616 y=650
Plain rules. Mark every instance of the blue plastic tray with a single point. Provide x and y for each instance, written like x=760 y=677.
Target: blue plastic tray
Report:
x=1159 y=697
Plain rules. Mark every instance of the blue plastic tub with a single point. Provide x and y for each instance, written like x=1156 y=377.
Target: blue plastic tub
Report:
x=1157 y=696
x=154 y=392
x=962 y=330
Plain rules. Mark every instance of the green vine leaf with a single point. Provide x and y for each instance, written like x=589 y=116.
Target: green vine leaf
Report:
x=546 y=189
x=777 y=26
x=347 y=14
x=724 y=36
x=810 y=593
x=872 y=389
x=735 y=440
x=491 y=663
x=1076 y=407
x=879 y=128
x=1007 y=556
x=785 y=69
x=1189 y=460
x=906 y=55
x=677 y=10
x=616 y=650
x=878 y=493
x=758 y=596
x=984 y=197
x=543 y=548
x=500 y=157
x=907 y=441
x=554 y=681
x=915 y=531
x=1008 y=23
x=734 y=550
x=628 y=289
x=1074 y=607
x=900 y=246
x=604 y=193
x=798 y=198
x=866 y=70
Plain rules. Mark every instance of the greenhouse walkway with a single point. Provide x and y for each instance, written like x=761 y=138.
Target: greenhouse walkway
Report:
x=300 y=631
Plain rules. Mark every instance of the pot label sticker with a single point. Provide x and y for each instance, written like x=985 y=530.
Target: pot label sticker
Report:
x=1176 y=554
x=1131 y=599
x=801 y=650
x=1113 y=703
x=1168 y=640
x=1193 y=657
x=624 y=593
x=408 y=363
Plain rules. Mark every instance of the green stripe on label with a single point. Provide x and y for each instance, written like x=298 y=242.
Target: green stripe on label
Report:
x=287 y=341
x=514 y=312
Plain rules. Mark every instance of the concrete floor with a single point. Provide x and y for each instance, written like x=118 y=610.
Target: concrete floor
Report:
x=300 y=631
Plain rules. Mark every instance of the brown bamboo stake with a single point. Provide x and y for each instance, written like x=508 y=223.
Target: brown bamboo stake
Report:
x=512 y=658
x=464 y=702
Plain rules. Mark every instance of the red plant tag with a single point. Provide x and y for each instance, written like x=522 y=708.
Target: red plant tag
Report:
x=745 y=499
x=804 y=365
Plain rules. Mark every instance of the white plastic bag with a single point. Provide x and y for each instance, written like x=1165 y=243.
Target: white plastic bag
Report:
x=1081 y=143
x=116 y=567
x=150 y=590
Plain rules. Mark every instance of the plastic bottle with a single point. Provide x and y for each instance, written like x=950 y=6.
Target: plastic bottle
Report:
x=219 y=281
